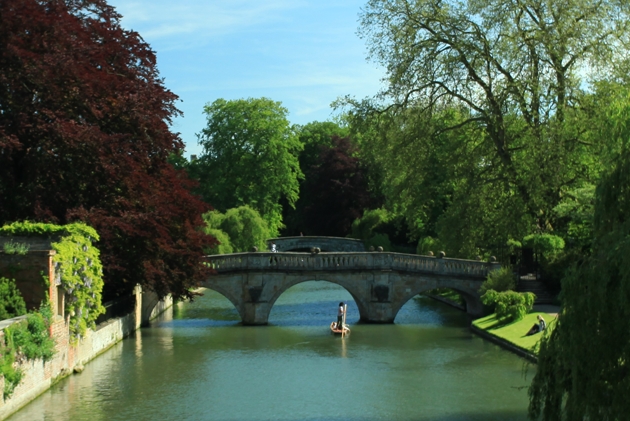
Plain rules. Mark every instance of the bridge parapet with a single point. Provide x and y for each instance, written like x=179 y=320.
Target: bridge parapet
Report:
x=286 y=261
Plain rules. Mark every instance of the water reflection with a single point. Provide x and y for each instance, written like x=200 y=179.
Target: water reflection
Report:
x=199 y=363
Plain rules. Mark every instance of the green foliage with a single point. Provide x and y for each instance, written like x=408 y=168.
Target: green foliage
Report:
x=462 y=137
x=363 y=228
x=583 y=366
x=499 y=280
x=78 y=264
x=11 y=301
x=509 y=306
x=11 y=247
x=577 y=207
x=449 y=294
x=547 y=244
x=29 y=339
x=223 y=246
x=429 y=244
x=250 y=157
x=377 y=240
x=12 y=376
x=238 y=230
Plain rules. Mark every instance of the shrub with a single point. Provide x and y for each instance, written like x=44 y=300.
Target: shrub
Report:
x=238 y=230
x=509 y=306
x=427 y=244
x=546 y=244
x=379 y=240
x=223 y=245
x=32 y=338
x=28 y=338
x=11 y=301
x=11 y=247
x=499 y=280
x=363 y=228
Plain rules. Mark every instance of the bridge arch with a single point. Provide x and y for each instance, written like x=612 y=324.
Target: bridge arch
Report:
x=471 y=298
x=227 y=293
x=380 y=283
x=356 y=296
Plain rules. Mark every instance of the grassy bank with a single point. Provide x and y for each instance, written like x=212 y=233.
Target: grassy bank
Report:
x=515 y=333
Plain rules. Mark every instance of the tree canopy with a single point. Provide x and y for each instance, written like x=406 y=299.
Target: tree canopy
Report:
x=583 y=370
x=239 y=230
x=250 y=157
x=84 y=135
x=487 y=108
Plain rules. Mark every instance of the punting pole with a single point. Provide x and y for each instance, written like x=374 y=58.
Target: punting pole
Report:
x=343 y=320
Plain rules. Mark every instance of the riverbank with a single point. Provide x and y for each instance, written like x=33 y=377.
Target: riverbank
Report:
x=512 y=336
x=38 y=376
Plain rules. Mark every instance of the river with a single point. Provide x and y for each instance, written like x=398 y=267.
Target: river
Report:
x=196 y=362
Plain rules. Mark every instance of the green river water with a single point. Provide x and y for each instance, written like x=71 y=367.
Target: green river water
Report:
x=196 y=362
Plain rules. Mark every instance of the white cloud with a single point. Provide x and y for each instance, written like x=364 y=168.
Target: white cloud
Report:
x=166 y=19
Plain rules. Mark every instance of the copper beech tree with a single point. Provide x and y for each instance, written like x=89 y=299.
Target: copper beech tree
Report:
x=84 y=135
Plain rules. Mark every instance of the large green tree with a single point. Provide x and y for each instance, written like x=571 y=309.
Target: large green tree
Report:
x=250 y=157
x=583 y=370
x=496 y=91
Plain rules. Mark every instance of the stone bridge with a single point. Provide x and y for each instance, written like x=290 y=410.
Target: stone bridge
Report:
x=324 y=243
x=380 y=283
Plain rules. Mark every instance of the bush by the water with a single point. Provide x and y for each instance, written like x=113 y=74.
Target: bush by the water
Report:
x=11 y=301
x=509 y=306
x=499 y=280
x=28 y=339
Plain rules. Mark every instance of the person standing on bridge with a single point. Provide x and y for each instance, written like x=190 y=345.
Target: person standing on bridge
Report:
x=273 y=248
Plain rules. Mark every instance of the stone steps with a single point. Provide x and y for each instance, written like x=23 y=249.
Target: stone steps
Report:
x=543 y=295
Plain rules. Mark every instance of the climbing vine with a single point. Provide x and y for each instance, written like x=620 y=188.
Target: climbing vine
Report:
x=77 y=266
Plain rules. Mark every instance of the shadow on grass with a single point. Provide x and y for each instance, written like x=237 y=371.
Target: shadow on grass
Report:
x=499 y=324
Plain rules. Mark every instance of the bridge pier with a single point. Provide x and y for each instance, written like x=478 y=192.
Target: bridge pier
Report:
x=379 y=313
x=255 y=314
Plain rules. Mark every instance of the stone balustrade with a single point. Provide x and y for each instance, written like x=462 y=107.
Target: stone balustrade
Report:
x=384 y=261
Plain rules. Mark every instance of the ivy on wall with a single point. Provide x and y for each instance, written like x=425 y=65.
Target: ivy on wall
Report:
x=77 y=264
x=25 y=340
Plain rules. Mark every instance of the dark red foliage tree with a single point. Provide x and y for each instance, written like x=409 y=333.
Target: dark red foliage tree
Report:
x=84 y=135
x=335 y=191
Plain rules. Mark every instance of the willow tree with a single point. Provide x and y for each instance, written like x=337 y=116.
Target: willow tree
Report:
x=510 y=74
x=583 y=369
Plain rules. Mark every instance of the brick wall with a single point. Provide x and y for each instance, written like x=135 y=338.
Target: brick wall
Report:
x=31 y=271
x=39 y=376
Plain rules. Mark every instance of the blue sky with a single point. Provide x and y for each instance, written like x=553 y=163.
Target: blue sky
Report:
x=303 y=53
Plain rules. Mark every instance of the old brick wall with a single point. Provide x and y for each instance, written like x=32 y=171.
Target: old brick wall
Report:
x=39 y=375
x=34 y=275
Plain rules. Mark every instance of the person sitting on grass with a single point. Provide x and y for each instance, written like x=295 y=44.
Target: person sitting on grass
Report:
x=538 y=327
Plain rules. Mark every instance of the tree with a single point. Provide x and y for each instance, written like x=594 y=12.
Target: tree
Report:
x=510 y=78
x=250 y=157
x=239 y=229
x=335 y=190
x=583 y=367
x=84 y=136
x=313 y=136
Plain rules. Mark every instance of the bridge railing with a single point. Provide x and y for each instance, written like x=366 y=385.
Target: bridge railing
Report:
x=285 y=261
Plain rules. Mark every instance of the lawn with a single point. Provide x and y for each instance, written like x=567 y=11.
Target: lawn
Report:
x=515 y=332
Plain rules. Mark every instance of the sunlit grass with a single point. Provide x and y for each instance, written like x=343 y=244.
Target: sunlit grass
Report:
x=515 y=333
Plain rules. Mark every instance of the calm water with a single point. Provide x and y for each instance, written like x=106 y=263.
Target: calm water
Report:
x=197 y=363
